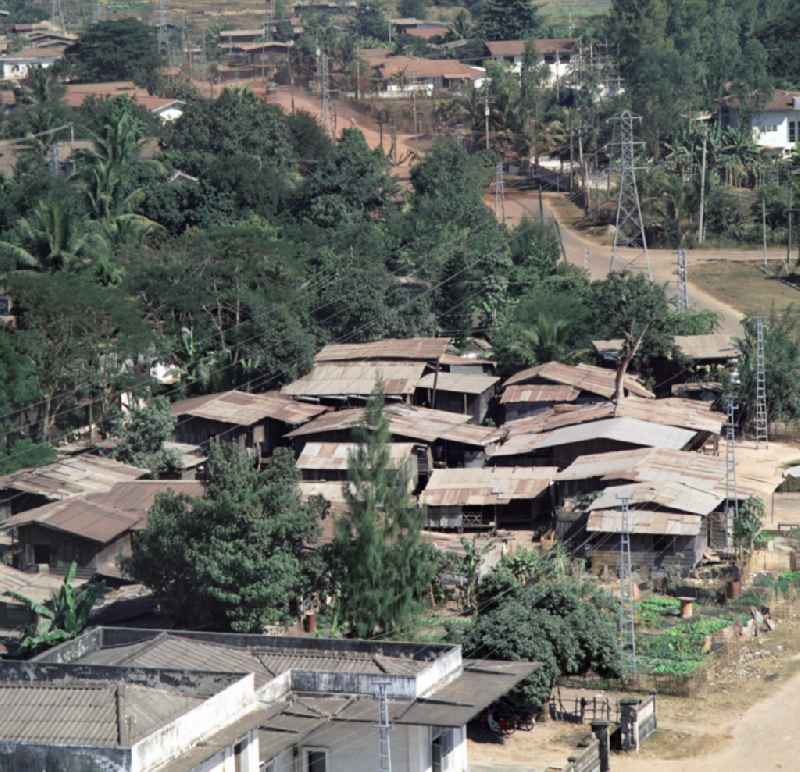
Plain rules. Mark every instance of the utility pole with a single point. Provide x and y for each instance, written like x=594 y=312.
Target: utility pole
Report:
x=683 y=285
x=629 y=230
x=764 y=226
x=324 y=92
x=384 y=729
x=499 y=194
x=627 y=609
x=762 y=424
x=731 y=500
x=701 y=229
x=486 y=115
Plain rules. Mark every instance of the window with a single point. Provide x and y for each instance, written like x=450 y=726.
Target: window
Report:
x=315 y=760
x=41 y=554
x=793 y=126
x=441 y=745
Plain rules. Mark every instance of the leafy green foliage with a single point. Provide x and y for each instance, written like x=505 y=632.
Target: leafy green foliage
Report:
x=63 y=617
x=235 y=559
x=747 y=524
x=566 y=624
x=123 y=49
x=382 y=568
x=142 y=434
x=508 y=19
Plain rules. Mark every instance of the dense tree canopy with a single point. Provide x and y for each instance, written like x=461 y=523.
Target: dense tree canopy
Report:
x=235 y=558
x=123 y=49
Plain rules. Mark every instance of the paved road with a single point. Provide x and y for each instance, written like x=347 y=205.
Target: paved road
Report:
x=596 y=257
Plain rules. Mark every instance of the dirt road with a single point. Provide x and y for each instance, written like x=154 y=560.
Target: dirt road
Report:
x=762 y=738
x=583 y=251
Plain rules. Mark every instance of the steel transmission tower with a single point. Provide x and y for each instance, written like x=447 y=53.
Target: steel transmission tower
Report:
x=731 y=500
x=499 y=194
x=762 y=431
x=384 y=730
x=162 y=24
x=629 y=224
x=627 y=610
x=683 y=285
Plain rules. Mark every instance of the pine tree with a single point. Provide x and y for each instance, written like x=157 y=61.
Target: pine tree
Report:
x=384 y=568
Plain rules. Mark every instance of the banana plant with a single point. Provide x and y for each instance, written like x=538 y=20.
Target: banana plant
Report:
x=63 y=617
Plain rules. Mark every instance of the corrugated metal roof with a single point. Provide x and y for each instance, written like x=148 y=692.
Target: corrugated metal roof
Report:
x=451 y=360
x=464 y=384
x=715 y=346
x=39 y=586
x=672 y=411
x=103 y=517
x=659 y=464
x=595 y=380
x=413 y=349
x=539 y=392
x=627 y=430
x=485 y=486
x=84 y=712
x=72 y=476
x=336 y=455
x=404 y=421
x=785 y=509
x=359 y=378
x=244 y=409
x=645 y=521
x=672 y=494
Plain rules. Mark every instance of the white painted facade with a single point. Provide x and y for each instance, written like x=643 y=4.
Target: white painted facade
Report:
x=777 y=130
x=558 y=66
x=17 y=68
x=353 y=747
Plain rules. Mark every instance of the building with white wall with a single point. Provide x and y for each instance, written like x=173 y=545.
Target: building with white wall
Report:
x=776 y=126
x=556 y=53
x=18 y=66
x=314 y=700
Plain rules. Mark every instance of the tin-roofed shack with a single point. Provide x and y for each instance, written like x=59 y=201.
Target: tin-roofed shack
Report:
x=489 y=498
x=398 y=349
x=594 y=383
x=93 y=530
x=253 y=422
x=670 y=525
x=532 y=399
x=329 y=461
x=69 y=476
x=453 y=441
x=468 y=394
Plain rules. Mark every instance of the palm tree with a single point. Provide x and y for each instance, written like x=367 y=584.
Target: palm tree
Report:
x=53 y=238
x=61 y=618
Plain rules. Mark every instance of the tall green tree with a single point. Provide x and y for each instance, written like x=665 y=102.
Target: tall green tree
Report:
x=236 y=559
x=142 y=433
x=383 y=568
x=121 y=49
x=509 y=19
x=635 y=309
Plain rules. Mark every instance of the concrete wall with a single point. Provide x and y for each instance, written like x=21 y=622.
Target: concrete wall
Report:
x=210 y=716
x=21 y=757
x=354 y=748
x=587 y=759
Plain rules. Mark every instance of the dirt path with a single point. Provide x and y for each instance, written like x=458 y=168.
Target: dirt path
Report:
x=595 y=256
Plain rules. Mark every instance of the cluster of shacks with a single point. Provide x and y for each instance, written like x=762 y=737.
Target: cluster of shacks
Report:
x=547 y=451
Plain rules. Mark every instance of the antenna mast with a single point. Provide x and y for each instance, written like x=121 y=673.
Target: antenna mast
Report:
x=384 y=730
x=629 y=230
x=627 y=610
x=683 y=285
x=762 y=423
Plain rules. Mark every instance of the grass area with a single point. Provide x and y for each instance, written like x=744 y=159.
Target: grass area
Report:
x=743 y=286
x=563 y=9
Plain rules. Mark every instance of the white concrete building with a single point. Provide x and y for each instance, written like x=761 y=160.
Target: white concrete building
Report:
x=556 y=53
x=18 y=66
x=776 y=126
x=305 y=704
